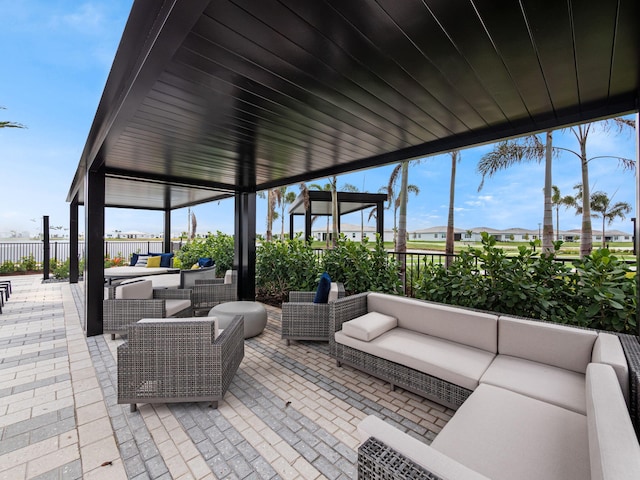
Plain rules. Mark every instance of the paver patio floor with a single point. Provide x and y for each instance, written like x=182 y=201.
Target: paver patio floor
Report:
x=289 y=413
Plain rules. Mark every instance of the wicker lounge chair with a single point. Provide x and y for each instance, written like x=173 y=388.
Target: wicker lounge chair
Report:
x=208 y=293
x=304 y=320
x=188 y=278
x=178 y=360
x=140 y=300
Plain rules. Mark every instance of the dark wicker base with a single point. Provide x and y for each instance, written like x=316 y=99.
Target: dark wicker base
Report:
x=420 y=383
x=378 y=461
x=631 y=347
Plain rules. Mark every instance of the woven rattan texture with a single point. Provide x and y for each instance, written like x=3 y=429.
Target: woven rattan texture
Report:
x=118 y=314
x=209 y=293
x=178 y=361
x=304 y=320
x=631 y=347
x=376 y=461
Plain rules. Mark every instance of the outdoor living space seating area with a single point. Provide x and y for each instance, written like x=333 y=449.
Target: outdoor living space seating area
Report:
x=289 y=412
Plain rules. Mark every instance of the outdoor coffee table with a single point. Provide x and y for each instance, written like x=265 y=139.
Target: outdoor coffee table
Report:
x=255 y=316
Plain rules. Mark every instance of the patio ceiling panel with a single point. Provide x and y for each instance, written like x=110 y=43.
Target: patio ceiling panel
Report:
x=243 y=95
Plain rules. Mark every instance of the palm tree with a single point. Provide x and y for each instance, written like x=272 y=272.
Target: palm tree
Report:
x=271 y=213
x=601 y=204
x=348 y=187
x=398 y=199
x=455 y=158
x=525 y=149
x=323 y=188
x=283 y=197
x=556 y=201
x=8 y=124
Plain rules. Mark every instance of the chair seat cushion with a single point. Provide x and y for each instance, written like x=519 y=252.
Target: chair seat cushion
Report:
x=174 y=306
x=505 y=435
x=453 y=362
x=558 y=386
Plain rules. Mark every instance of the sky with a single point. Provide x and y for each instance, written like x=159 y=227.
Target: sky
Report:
x=55 y=59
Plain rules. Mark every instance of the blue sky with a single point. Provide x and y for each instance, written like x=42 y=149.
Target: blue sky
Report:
x=56 y=58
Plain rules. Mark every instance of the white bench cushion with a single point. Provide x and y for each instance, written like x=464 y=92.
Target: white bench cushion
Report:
x=507 y=436
x=449 y=361
x=369 y=326
x=475 y=329
x=558 y=386
x=174 y=306
x=333 y=292
x=420 y=453
x=613 y=446
x=135 y=291
x=556 y=345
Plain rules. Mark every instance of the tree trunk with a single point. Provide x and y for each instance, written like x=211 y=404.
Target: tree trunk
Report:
x=558 y=223
x=604 y=243
x=547 y=230
x=334 y=209
x=586 y=234
x=450 y=229
x=401 y=241
x=269 y=215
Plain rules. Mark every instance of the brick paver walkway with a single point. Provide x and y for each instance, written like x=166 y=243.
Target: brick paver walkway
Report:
x=289 y=413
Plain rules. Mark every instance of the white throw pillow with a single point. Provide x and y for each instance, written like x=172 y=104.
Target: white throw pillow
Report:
x=369 y=326
x=142 y=261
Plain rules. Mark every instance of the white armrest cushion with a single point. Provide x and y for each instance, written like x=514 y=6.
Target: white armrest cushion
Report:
x=420 y=453
x=369 y=326
x=608 y=350
x=333 y=292
x=613 y=447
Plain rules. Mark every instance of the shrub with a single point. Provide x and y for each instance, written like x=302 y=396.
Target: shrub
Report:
x=283 y=266
x=361 y=268
x=28 y=264
x=7 y=267
x=219 y=247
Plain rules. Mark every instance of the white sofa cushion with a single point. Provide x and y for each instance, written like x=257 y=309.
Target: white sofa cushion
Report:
x=475 y=329
x=556 y=345
x=453 y=362
x=369 y=326
x=420 y=453
x=135 y=291
x=174 y=306
x=608 y=349
x=507 y=436
x=613 y=447
x=558 y=386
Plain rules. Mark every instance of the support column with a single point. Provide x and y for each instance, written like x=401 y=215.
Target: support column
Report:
x=94 y=198
x=167 y=231
x=291 y=216
x=245 y=244
x=307 y=224
x=46 y=242
x=636 y=225
x=73 y=241
x=380 y=220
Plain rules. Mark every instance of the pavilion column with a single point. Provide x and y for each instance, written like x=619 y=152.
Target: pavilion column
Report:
x=291 y=226
x=636 y=225
x=94 y=199
x=380 y=220
x=167 y=231
x=73 y=241
x=245 y=244
x=307 y=224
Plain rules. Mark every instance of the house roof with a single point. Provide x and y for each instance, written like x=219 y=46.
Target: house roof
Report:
x=210 y=97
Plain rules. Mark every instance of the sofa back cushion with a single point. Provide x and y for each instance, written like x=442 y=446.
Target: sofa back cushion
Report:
x=135 y=291
x=475 y=329
x=369 y=326
x=556 y=345
x=614 y=452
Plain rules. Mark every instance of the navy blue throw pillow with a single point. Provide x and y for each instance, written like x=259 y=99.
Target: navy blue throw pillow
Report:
x=134 y=260
x=205 y=262
x=322 y=294
x=165 y=258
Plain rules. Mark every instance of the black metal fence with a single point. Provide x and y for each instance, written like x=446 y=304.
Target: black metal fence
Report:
x=17 y=252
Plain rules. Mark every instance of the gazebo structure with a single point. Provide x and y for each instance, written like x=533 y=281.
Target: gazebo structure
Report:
x=320 y=204
x=212 y=98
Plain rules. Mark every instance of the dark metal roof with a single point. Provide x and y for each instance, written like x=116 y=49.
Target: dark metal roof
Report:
x=320 y=202
x=245 y=95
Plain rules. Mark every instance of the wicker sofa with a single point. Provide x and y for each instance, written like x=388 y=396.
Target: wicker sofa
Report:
x=474 y=360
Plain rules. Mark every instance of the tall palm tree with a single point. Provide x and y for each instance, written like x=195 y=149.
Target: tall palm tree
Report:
x=557 y=200
x=601 y=204
x=323 y=188
x=398 y=199
x=9 y=124
x=283 y=198
x=348 y=187
x=455 y=158
x=525 y=149
x=271 y=211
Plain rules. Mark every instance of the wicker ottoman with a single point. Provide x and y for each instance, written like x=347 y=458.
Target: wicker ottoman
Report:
x=255 y=316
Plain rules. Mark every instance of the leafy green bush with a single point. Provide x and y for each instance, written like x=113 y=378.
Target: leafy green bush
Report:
x=7 y=267
x=219 y=247
x=28 y=264
x=597 y=293
x=361 y=268
x=283 y=266
x=60 y=269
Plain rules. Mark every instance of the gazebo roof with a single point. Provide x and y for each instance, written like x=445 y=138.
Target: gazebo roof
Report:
x=210 y=97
